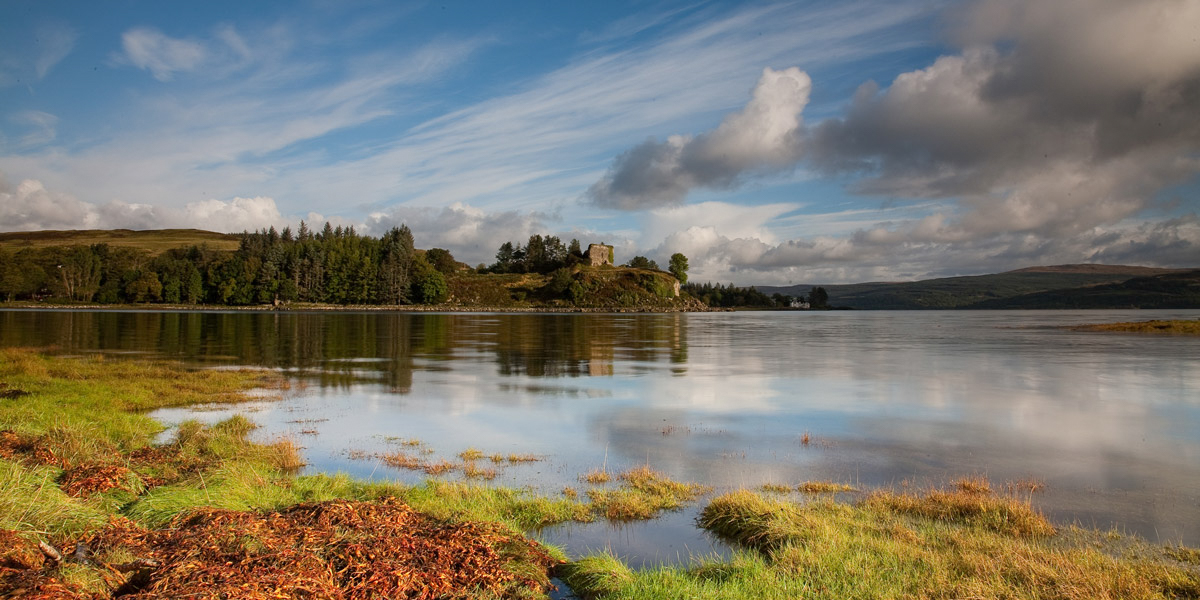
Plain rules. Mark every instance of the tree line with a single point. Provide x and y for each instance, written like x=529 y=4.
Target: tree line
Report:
x=335 y=265
x=731 y=296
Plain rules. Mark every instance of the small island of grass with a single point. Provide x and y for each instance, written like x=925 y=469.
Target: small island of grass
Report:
x=1176 y=326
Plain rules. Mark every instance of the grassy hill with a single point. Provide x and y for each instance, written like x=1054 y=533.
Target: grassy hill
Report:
x=154 y=241
x=977 y=291
x=578 y=287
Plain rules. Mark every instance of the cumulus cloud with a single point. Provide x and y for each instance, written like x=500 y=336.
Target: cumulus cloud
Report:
x=1057 y=117
x=150 y=49
x=763 y=136
x=30 y=207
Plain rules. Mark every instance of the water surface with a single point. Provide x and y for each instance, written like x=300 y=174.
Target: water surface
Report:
x=1110 y=422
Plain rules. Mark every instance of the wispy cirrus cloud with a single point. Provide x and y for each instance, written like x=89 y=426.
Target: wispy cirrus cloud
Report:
x=39 y=127
x=552 y=137
x=152 y=50
x=54 y=43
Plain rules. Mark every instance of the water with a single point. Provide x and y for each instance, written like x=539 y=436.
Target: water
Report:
x=1110 y=422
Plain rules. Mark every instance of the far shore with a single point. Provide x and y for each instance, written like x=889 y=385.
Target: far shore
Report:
x=403 y=308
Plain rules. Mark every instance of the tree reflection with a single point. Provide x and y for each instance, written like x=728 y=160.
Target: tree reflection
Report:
x=341 y=349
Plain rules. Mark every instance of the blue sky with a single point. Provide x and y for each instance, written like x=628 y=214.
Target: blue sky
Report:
x=772 y=143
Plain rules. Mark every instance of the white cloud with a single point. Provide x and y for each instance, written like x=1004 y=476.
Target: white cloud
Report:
x=30 y=207
x=1052 y=121
x=763 y=136
x=732 y=220
x=150 y=49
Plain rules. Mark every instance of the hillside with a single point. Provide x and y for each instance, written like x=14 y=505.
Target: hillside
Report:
x=154 y=241
x=976 y=291
x=581 y=287
x=1171 y=290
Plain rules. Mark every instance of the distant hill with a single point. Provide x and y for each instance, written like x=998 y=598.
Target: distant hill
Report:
x=987 y=291
x=155 y=241
x=1170 y=290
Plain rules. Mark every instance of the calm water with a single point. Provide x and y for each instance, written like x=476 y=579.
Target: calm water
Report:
x=1111 y=422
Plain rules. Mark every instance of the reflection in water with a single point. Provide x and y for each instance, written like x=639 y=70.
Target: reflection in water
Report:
x=341 y=349
x=1110 y=422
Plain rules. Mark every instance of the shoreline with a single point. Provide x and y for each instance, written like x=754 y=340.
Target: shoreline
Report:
x=419 y=308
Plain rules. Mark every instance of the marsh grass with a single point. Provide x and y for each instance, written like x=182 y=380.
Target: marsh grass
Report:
x=1179 y=326
x=823 y=487
x=645 y=493
x=32 y=503
x=514 y=458
x=474 y=471
x=775 y=488
x=596 y=477
x=438 y=467
x=933 y=545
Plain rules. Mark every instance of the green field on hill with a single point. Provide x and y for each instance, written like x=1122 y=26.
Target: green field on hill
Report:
x=154 y=241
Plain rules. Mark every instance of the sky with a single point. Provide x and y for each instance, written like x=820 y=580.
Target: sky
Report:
x=771 y=143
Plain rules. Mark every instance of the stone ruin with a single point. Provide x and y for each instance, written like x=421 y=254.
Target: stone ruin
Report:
x=600 y=254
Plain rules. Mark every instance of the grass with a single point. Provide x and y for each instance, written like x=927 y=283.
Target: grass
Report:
x=964 y=542
x=644 y=493
x=1179 y=326
x=154 y=241
x=823 y=487
x=596 y=477
x=775 y=488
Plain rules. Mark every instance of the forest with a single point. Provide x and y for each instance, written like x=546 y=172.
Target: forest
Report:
x=335 y=265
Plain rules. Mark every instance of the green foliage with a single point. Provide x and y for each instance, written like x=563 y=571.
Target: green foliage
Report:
x=442 y=260
x=641 y=262
x=428 y=284
x=144 y=287
x=729 y=296
x=21 y=275
x=679 y=267
x=543 y=254
x=818 y=298
x=560 y=281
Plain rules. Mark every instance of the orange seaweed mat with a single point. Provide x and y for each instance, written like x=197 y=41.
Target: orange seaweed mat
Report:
x=329 y=550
